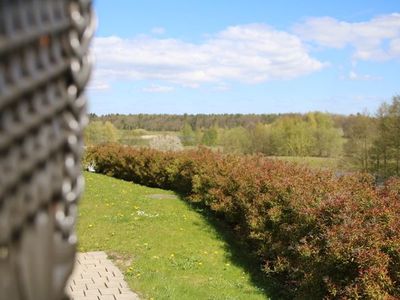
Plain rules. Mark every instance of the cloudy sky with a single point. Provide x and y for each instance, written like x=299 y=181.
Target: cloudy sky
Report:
x=253 y=56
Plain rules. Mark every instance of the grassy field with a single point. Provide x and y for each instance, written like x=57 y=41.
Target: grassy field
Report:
x=166 y=248
x=330 y=163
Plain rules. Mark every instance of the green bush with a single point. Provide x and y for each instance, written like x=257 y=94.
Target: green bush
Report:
x=320 y=235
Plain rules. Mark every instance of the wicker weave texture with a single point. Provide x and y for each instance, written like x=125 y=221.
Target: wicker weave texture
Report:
x=44 y=67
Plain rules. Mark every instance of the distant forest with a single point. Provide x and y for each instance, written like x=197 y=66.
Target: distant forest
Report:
x=164 y=122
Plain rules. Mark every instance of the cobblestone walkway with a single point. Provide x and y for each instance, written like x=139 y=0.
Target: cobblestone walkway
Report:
x=96 y=278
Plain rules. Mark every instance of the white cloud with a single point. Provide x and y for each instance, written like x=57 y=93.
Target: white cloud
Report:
x=367 y=38
x=222 y=87
x=249 y=54
x=394 y=47
x=363 y=77
x=158 y=30
x=158 y=89
x=98 y=85
x=362 y=98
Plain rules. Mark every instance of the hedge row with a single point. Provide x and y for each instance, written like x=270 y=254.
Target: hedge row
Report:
x=321 y=235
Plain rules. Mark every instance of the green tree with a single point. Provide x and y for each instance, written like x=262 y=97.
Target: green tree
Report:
x=361 y=134
x=198 y=135
x=210 y=136
x=98 y=132
x=92 y=133
x=292 y=136
x=187 y=135
x=394 y=131
x=387 y=144
x=111 y=133
x=261 y=141
x=328 y=140
x=236 y=140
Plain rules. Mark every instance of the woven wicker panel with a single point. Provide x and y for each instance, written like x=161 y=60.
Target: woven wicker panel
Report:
x=44 y=68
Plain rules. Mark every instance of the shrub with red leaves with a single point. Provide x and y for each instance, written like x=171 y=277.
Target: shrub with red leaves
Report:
x=321 y=235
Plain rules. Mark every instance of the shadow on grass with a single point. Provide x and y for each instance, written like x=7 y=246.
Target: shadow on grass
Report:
x=240 y=252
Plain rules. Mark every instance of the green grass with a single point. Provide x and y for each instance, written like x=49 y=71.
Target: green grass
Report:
x=166 y=248
x=330 y=163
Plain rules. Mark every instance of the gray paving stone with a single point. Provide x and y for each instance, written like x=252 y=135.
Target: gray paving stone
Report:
x=125 y=290
x=80 y=286
x=123 y=284
x=108 y=297
x=113 y=284
x=91 y=275
x=80 y=281
x=95 y=277
x=93 y=292
x=100 y=254
x=131 y=296
x=85 y=298
x=109 y=291
x=76 y=293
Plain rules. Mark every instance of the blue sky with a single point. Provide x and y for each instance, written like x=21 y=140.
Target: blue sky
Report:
x=253 y=56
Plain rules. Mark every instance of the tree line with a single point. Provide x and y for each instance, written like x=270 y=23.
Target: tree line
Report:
x=168 y=122
x=312 y=134
x=373 y=143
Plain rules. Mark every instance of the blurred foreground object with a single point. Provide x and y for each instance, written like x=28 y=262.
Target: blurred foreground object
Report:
x=44 y=68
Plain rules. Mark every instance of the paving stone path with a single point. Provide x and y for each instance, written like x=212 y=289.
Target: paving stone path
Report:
x=95 y=277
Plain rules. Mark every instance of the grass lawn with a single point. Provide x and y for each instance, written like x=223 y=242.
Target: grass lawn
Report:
x=166 y=248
